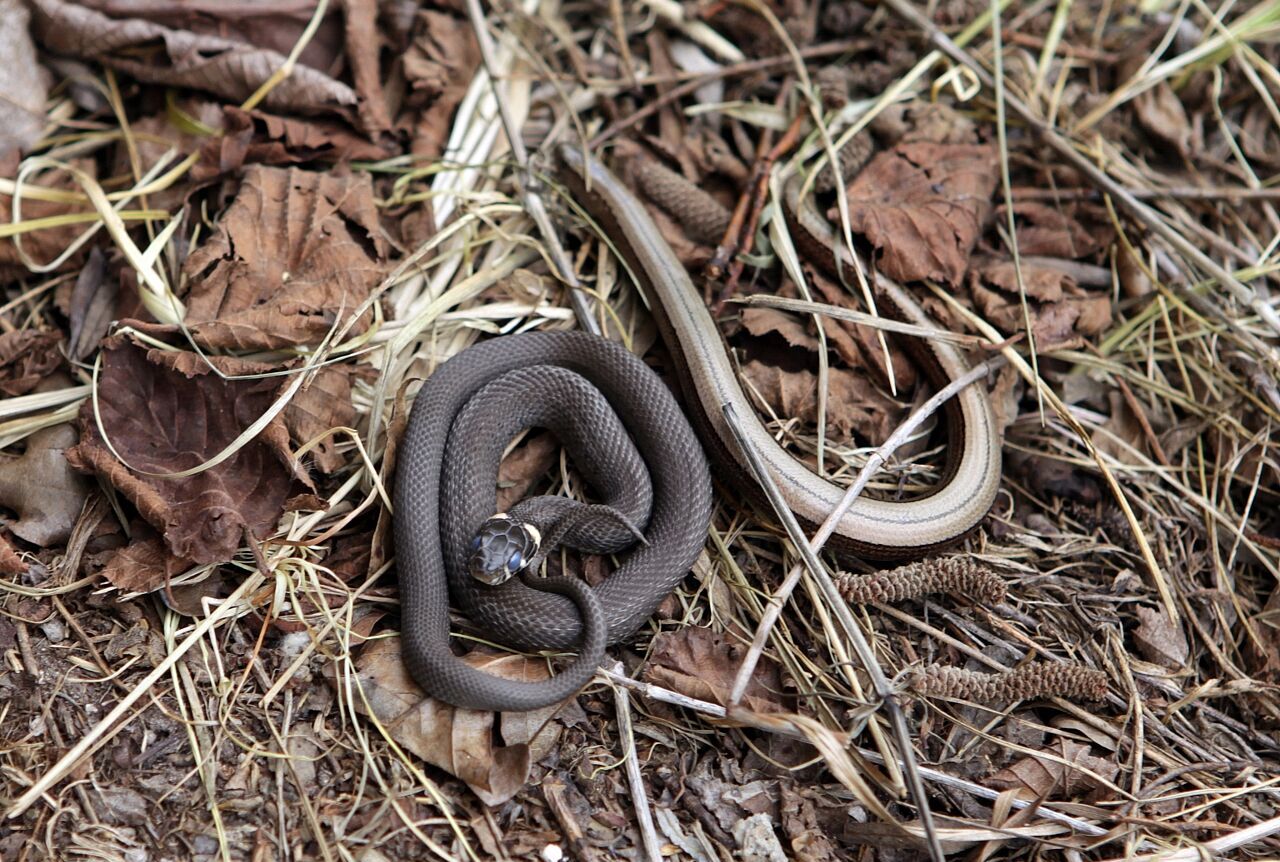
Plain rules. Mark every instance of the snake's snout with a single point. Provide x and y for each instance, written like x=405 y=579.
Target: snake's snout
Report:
x=502 y=547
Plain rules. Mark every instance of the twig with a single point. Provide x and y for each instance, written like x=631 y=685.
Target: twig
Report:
x=639 y=798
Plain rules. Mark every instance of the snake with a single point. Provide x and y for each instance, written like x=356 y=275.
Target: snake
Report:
x=450 y=544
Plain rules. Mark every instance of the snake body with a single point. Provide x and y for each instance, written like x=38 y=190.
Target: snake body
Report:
x=431 y=558
x=431 y=566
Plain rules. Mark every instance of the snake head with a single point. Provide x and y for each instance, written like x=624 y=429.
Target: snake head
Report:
x=502 y=547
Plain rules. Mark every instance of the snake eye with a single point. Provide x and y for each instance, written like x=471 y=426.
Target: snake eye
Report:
x=475 y=543
x=514 y=562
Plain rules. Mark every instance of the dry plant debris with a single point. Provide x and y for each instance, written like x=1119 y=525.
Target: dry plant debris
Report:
x=235 y=237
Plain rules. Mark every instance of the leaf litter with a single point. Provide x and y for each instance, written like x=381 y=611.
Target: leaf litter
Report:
x=303 y=212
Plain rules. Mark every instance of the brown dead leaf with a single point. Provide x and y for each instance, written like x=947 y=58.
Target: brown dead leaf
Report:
x=762 y=321
x=701 y=663
x=1052 y=231
x=438 y=66
x=1061 y=311
x=253 y=137
x=166 y=411
x=807 y=838
x=1162 y=115
x=22 y=82
x=91 y=306
x=523 y=466
x=1121 y=424
x=1160 y=640
x=460 y=741
x=322 y=405
x=156 y=54
x=42 y=488
x=924 y=205
x=145 y=564
x=362 y=44
x=27 y=356
x=854 y=405
x=294 y=253
x=1035 y=777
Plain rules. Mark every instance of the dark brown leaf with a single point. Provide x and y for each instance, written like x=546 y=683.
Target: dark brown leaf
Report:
x=761 y=321
x=27 y=356
x=361 y=17
x=41 y=246
x=145 y=564
x=438 y=66
x=1036 y=777
x=92 y=302
x=854 y=405
x=252 y=137
x=1051 y=232
x=701 y=663
x=924 y=205
x=166 y=411
x=1161 y=113
x=156 y=54
x=295 y=252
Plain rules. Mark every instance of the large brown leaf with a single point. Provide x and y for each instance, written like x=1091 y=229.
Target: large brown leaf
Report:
x=924 y=206
x=438 y=66
x=460 y=741
x=294 y=252
x=156 y=54
x=166 y=411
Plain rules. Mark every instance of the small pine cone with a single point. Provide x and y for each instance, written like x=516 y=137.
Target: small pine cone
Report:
x=855 y=153
x=954 y=576
x=704 y=217
x=1043 y=679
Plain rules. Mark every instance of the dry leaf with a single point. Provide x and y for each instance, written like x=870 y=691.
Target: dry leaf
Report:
x=294 y=253
x=22 y=116
x=1161 y=113
x=701 y=663
x=924 y=205
x=155 y=54
x=362 y=44
x=42 y=488
x=438 y=66
x=166 y=411
x=460 y=741
x=91 y=307
x=145 y=564
x=10 y=562
x=523 y=466
x=1160 y=640
x=252 y=137
x=322 y=405
x=1051 y=232
x=1039 y=777
x=27 y=356
x=1061 y=311
x=761 y=321
x=854 y=405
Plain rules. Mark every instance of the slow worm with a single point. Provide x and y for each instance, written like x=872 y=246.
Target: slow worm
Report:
x=874 y=529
